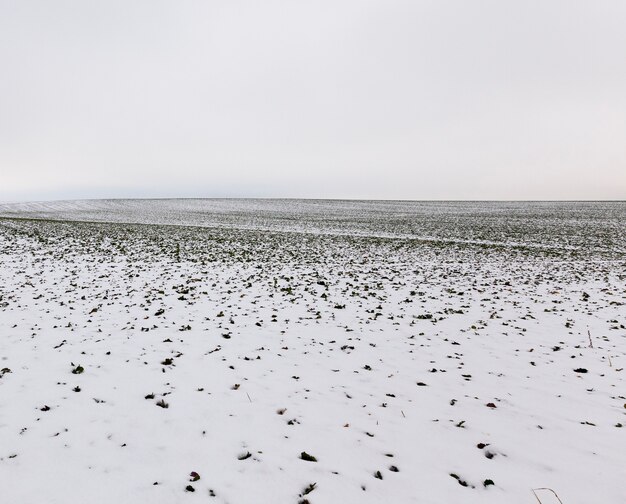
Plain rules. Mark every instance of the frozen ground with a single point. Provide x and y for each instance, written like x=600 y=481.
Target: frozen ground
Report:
x=417 y=351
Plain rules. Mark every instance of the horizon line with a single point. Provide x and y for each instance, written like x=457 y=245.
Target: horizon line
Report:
x=288 y=198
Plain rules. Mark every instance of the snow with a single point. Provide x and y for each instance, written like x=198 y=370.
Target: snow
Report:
x=449 y=339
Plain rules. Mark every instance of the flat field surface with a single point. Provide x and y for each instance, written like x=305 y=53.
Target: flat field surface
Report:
x=289 y=351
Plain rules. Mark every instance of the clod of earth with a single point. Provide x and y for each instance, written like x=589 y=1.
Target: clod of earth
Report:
x=307 y=457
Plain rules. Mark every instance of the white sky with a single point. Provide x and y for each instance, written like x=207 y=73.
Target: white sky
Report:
x=383 y=99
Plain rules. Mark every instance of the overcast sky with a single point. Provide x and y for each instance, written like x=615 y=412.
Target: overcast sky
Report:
x=467 y=99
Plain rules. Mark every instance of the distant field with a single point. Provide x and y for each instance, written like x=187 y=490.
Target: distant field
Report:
x=587 y=228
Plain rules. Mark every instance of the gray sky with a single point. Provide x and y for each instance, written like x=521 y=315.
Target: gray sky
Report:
x=384 y=99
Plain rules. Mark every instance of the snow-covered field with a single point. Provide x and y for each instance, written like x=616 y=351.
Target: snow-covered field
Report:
x=237 y=351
